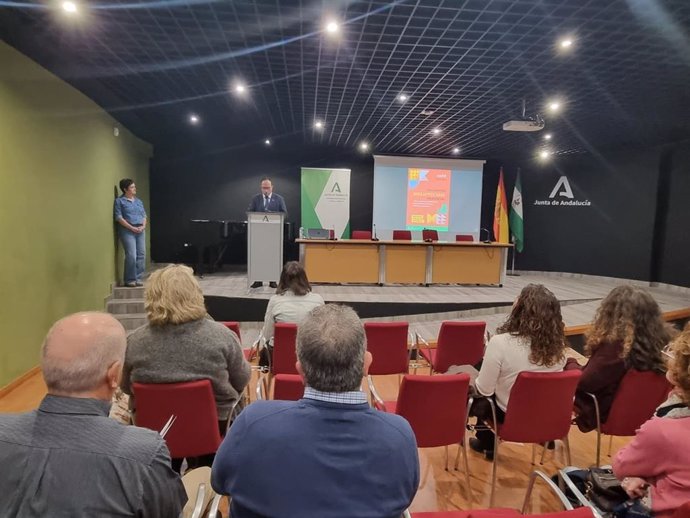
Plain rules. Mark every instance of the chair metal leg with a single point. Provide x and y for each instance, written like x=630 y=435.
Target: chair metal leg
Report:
x=598 y=448
x=610 y=444
x=446 y=447
x=463 y=446
x=494 y=469
x=543 y=453
x=534 y=447
x=566 y=442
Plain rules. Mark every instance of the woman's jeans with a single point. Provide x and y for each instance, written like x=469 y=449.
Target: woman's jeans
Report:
x=135 y=254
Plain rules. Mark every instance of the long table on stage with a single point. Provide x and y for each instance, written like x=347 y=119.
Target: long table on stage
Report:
x=403 y=262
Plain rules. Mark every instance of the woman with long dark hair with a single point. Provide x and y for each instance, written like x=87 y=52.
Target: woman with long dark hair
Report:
x=531 y=339
x=628 y=333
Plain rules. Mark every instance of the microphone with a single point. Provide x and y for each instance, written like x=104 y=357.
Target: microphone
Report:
x=374 y=238
x=488 y=235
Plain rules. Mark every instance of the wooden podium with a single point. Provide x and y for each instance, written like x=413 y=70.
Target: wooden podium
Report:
x=264 y=246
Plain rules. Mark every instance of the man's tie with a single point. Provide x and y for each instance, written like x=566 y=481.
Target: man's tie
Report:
x=265 y=202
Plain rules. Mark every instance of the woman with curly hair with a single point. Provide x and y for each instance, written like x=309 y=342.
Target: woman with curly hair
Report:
x=655 y=465
x=628 y=333
x=531 y=340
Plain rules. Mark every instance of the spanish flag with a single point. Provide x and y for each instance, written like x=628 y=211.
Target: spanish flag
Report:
x=501 y=212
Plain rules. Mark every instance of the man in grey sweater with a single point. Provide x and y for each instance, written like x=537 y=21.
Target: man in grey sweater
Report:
x=68 y=458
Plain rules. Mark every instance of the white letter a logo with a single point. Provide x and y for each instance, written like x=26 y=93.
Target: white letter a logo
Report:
x=567 y=191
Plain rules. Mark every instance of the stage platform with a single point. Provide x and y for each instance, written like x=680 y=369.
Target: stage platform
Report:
x=228 y=298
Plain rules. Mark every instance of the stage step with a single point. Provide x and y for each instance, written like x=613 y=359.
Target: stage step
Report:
x=127 y=306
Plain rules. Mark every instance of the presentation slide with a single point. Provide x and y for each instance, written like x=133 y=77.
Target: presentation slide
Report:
x=427 y=193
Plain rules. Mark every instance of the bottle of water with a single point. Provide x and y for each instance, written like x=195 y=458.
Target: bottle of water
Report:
x=301 y=232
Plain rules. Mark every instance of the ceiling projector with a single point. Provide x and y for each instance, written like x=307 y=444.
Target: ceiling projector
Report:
x=524 y=125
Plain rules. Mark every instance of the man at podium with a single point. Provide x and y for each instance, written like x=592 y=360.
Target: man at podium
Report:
x=266 y=201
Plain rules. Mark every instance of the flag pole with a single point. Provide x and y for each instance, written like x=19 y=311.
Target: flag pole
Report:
x=512 y=266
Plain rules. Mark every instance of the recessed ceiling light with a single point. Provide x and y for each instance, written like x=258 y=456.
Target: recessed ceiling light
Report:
x=194 y=119
x=427 y=112
x=456 y=151
x=240 y=88
x=544 y=154
x=69 y=7
x=318 y=125
x=363 y=146
x=267 y=141
x=436 y=131
x=402 y=97
x=554 y=106
x=547 y=136
x=332 y=27
x=565 y=43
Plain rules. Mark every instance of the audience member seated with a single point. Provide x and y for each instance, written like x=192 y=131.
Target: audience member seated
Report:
x=531 y=339
x=655 y=465
x=628 y=333
x=292 y=301
x=181 y=343
x=329 y=454
x=68 y=458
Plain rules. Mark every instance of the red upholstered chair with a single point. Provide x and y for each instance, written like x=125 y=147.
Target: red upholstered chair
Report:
x=683 y=511
x=635 y=401
x=284 y=356
x=436 y=408
x=428 y=234
x=402 y=235
x=361 y=234
x=459 y=343
x=195 y=430
x=539 y=410
x=388 y=345
x=289 y=387
x=464 y=237
x=286 y=387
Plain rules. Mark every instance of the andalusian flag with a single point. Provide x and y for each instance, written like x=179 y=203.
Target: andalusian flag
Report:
x=516 y=221
x=501 y=212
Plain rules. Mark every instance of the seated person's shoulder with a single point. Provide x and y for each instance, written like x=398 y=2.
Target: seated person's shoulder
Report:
x=133 y=442
x=393 y=425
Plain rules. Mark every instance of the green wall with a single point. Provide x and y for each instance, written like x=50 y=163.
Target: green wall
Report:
x=59 y=167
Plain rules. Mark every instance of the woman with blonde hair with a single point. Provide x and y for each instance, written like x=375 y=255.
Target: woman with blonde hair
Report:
x=181 y=343
x=655 y=465
x=628 y=333
x=531 y=339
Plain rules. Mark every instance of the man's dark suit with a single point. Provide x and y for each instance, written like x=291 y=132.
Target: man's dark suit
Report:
x=275 y=204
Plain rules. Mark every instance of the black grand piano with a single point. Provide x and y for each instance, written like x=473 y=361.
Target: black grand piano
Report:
x=219 y=242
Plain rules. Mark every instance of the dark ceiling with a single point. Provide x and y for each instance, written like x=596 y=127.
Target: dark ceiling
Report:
x=624 y=82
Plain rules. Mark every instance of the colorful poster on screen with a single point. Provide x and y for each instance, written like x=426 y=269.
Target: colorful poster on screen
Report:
x=428 y=195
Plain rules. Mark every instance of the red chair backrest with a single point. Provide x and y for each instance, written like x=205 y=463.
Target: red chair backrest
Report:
x=387 y=343
x=284 y=349
x=430 y=234
x=459 y=343
x=235 y=327
x=195 y=430
x=683 y=511
x=288 y=387
x=636 y=399
x=435 y=407
x=361 y=234
x=402 y=235
x=540 y=406
x=464 y=237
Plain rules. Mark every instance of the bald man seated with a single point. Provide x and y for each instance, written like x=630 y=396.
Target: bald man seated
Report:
x=68 y=458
